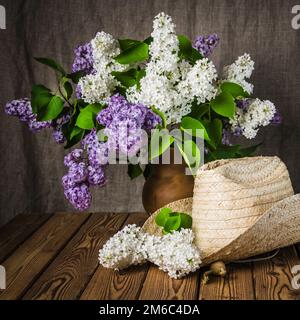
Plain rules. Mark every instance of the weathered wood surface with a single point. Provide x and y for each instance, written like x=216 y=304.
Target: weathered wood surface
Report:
x=56 y=257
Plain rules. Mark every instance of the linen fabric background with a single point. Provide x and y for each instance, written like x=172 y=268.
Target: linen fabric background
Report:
x=32 y=164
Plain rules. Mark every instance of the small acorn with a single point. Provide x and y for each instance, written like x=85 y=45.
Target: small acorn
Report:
x=217 y=268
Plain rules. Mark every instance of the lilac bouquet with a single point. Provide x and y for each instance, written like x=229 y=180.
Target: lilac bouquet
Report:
x=122 y=87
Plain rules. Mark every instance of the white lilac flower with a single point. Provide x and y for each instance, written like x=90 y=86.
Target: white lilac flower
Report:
x=98 y=86
x=258 y=113
x=199 y=82
x=125 y=248
x=171 y=84
x=174 y=253
x=240 y=70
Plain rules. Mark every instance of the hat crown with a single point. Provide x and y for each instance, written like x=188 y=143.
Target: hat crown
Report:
x=231 y=195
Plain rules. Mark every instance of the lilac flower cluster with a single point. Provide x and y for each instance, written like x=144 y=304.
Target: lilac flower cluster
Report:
x=22 y=109
x=124 y=121
x=277 y=119
x=57 y=128
x=206 y=45
x=84 y=60
x=226 y=137
x=243 y=104
x=80 y=177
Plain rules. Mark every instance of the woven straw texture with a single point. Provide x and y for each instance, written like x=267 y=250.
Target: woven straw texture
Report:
x=231 y=195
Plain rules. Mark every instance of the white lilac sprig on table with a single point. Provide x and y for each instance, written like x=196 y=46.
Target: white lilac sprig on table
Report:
x=126 y=85
x=173 y=253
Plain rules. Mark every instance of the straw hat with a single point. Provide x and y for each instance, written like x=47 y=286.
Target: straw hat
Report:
x=240 y=208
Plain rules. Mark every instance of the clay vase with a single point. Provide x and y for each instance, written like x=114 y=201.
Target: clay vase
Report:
x=166 y=183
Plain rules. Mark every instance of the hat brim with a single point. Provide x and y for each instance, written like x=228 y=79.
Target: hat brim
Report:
x=278 y=227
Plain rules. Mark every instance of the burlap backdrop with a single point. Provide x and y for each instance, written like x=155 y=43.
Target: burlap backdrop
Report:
x=32 y=165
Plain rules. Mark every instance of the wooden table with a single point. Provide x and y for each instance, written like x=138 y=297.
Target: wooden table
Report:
x=56 y=257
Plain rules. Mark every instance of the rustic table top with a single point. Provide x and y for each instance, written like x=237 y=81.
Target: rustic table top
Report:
x=56 y=257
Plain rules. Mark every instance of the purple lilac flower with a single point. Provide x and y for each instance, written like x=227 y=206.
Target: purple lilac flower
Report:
x=206 y=45
x=83 y=59
x=22 y=109
x=58 y=136
x=80 y=177
x=225 y=137
x=57 y=128
x=78 y=172
x=243 y=104
x=78 y=92
x=238 y=131
x=97 y=151
x=75 y=156
x=123 y=121
x=277 y=119
x=79 y=196
x=96 y=176
x=151 y=121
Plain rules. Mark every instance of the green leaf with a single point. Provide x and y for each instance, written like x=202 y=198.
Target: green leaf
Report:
x=190 y=153
x=198 y=111
x=52 y=110
x=52 y=64
x=160 y=142
x=224 y=105
x=186 y=221
x=172 y=224
x=214 y=129
x=74 y=132
x=226 y=152
x=161 y=115
x=147 y=171
x=68 y=88
x=126 y=78
x=135 y=53
x=86 y=117
x=188 y=124
x=127 y=43
x=249 y=151
x=77 y=135
x=186 y=50
x=149 y=40
x=134 y=170
x=40 y=97
x=75 y=76
x=234 y=89
x=140 y=75
x=163 y=216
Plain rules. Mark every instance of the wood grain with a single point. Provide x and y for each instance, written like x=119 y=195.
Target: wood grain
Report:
x=29 y=260
x=159 y=286
x=107 y=284
x=272 y=278
x=237 y=285
x=70 y=272
x=17 y=231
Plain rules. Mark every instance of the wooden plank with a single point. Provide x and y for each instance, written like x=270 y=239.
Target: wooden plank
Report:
x=159 y=286
x=272 y=278
x=17 y=231
x=237 y=285
x=70 y=272
x=29 y=260
x=107 y=284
